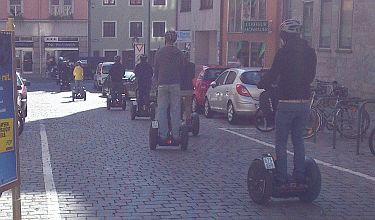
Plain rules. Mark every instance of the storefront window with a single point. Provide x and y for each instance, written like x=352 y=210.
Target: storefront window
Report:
x=238 y=54
x=258 y=50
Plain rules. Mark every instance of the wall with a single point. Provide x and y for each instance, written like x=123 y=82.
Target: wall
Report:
x=356 y=68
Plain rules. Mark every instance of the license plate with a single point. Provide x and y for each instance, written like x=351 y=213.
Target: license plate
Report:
x=154 y=124
x=268 y=163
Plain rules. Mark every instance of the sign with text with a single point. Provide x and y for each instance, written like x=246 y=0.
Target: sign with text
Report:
x=139 y=49
x=255 y=26
x=61 y=44
x=8 y=148
x=184 y=36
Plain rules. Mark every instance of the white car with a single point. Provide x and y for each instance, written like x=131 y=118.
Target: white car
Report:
x=102 y=71
x=234 y=93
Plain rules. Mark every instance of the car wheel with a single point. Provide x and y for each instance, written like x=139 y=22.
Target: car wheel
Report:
x=195 y=107
x=231 y=114
x=207 y=109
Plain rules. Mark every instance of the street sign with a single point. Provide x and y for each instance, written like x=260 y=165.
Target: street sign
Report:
x=9 y=170
x=139 y=49
x=255 y=26
x=184 y=36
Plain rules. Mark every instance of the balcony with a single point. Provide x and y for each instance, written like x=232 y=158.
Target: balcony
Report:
x=58 y=12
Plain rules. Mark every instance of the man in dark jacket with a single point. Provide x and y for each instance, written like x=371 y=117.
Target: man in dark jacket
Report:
x=116 y=73
x=187 y=75
x=168 y=62
x=294 y=69
x=143 y=73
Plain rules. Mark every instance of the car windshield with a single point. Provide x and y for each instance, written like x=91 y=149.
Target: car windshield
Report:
x=106 y=68
x=212 y=74
x=128 y=75
x=250 y=77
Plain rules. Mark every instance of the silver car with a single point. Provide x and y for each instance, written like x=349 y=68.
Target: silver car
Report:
x=234 y=93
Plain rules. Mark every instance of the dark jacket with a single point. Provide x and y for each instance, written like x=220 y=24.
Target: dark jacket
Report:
x=187 y=76
x=143 y=72
x=168 y=62
x=116 y=72
x=294 y=68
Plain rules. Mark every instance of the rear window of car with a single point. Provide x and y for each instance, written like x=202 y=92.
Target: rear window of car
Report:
x=250 y=77
x=106 y=68
x=212 y=74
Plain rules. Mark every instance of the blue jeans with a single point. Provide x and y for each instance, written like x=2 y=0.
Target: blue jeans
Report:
x=291 y=118
x=169 y=96
x=78 y=86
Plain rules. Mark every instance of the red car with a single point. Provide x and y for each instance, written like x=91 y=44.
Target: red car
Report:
x=203 y=77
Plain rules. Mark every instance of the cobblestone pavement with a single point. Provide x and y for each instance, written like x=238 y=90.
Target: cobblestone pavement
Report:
x=103 y=169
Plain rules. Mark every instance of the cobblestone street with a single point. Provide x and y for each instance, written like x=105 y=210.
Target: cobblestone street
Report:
x=81 y=161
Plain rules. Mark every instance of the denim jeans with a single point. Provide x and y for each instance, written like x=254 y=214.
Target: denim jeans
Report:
x=291 y=118
x=78 y=86
x=169 y=96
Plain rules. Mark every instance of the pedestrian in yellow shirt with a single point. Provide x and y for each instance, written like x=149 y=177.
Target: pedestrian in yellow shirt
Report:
x=78 y=77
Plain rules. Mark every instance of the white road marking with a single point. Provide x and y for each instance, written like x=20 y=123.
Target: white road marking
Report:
x=368 y=177
x=52 y=198
x=239 y=128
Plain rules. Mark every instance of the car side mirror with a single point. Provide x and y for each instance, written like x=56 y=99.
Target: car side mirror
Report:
x=27 y=83
x=213 y=84
x=19 y=87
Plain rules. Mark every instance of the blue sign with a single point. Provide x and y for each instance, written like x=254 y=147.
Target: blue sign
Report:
x=184 y=36
x=8 y=150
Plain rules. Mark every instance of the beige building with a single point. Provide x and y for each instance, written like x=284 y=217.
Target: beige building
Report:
x=341 y=31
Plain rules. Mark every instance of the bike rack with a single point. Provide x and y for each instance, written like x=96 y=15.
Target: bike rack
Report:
x=361 y=103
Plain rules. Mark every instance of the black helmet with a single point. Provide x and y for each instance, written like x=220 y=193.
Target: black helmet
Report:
x=170 y=36
x=117 y=59
x=186 y=54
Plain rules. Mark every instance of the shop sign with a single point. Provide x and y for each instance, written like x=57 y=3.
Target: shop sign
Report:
x=255 y=26
x=24 y=44
x=61 y=44
x=184 y=36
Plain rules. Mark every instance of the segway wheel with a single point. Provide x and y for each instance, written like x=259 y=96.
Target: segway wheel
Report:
x=154 y=135
x=73 y=96
x=133 y=111
x=108 y=104
x=195 y=124
x=184 y=137
x=313 y=180
x=84 y=96
x=20 y=123
x=123 y=104
x=259 y=182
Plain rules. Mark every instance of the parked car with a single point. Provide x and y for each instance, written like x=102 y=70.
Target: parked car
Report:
x=101 y=74
x=22 y=93
x=234 y=93
x=201 y=82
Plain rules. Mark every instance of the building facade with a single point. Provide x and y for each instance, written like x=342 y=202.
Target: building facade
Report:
x=250 y=32
x=115 y=25
x=45 y=30
x=202 y=18
x=341 y=31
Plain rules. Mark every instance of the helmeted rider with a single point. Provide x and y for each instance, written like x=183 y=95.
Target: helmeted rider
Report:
x=294 y=68
x=168 y=63
x=143 y=72
x=188 y=71
x=116 y=73
x=78 y=75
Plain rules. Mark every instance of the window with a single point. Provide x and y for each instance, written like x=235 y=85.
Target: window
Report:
x=262 y=9
x=235 y=16
x=15 y=7
x=109 y=29
x=160 y=2
x=109 y=2
x=221 y=78
x=135 y=2
x=325 y=24
x=136 y=29
x=62 y=8
x=158 y=29
x=250 y=78
x=308 y=21
x=258 y=50
x=185 y=5
x=253 y=8
x=110 y=53
x=207 y=4
x=231 y=77
x=346 y=22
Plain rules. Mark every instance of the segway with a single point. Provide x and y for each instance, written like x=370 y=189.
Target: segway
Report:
x=81 y=94
x=261 y=181
x=155 y=140
x=142 y=111
x=193 y=124
x=116 y=100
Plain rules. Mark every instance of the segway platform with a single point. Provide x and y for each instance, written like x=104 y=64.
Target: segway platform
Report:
x=136 y=111
x=114 y=102
x=154 y=138
x=79 y=95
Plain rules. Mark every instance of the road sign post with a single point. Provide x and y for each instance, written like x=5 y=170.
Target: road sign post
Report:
x=139 y=49
x=9 y=151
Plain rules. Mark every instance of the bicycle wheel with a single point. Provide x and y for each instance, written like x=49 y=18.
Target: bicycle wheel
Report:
x=372 y=142
x=314 y=121
x=263 y=123
x=347 y=121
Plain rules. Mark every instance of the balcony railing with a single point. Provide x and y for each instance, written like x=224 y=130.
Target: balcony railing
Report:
x=61 y=12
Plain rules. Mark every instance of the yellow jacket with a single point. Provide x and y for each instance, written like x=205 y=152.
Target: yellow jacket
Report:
x=78 y=73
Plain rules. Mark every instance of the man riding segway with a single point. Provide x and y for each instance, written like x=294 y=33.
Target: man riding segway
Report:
x=116 y=73
x=143 y=73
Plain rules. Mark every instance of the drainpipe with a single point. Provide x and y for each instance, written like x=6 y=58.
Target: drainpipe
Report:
x=149 y=30
x=89 y=28
x=40 y=40
x=221 y=30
